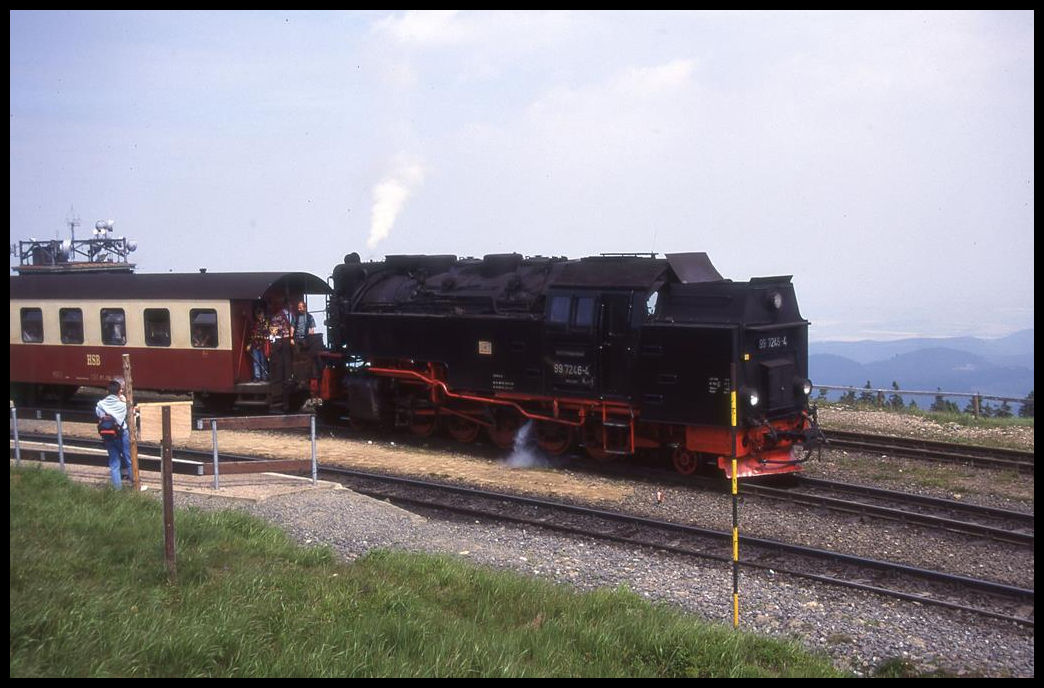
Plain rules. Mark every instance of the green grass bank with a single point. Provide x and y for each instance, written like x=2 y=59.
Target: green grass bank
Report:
x=90 y=597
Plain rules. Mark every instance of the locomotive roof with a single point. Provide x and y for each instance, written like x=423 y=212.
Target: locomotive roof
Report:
x=632 y=272
x=193 y=285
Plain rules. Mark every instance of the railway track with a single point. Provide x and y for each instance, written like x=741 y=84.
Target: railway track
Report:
x=1001 y=525
x=992 y=457
x=979 y=596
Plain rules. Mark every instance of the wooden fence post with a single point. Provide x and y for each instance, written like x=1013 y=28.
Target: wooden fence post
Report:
x=132 y=425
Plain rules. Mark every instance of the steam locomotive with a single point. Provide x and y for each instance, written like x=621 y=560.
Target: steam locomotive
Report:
x=621 y=354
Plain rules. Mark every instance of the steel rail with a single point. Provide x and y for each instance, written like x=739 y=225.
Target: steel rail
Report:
x=935 y=451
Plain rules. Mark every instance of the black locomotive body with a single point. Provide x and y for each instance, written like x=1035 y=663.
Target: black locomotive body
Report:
x=619 y=353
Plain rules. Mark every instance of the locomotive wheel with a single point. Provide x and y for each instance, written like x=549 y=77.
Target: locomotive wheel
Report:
x=685 y=462
x=462 y=429
x=554 y=438
x=423 y=424
x=594 y=442
x=502 y=432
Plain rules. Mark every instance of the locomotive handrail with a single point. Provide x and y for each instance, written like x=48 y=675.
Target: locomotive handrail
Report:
x=435 y=382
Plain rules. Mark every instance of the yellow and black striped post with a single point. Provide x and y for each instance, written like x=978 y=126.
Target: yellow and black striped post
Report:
x=735 y=519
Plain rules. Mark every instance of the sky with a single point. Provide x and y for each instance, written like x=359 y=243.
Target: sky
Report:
x=882 y=158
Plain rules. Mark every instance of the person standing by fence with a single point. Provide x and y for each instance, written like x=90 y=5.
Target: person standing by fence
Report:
x=116 y=441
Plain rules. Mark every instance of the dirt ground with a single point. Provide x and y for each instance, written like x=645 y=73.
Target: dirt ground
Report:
x=391 y=454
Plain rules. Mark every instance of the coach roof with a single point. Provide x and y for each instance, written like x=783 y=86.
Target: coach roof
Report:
x=193 y=285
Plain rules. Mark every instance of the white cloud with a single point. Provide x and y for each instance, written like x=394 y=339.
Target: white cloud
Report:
x=502 y=32
x=652 y=81
x=425 y=27
x=635 y=114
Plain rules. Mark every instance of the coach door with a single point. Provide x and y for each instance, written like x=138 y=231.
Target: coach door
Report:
x=615 y=334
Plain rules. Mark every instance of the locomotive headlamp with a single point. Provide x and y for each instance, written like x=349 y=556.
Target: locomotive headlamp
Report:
x=775 y=300
x=753 y=398
x=803 y=385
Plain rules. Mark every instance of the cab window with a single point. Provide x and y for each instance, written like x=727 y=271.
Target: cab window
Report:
x=157 y=327
x=583 y=317
x=70 y=321
x=113 y=326
x=558 y=312
x=32 y=325
x=203 y=323
x=650 y=304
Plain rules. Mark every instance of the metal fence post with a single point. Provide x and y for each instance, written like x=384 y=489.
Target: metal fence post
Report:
x=18 y=447
x=61 y=445
x=314 y=468
x=213 y=436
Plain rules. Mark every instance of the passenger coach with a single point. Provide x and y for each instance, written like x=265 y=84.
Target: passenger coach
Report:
x=184 y=333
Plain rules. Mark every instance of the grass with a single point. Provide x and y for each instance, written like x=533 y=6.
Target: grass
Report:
x=90 y=597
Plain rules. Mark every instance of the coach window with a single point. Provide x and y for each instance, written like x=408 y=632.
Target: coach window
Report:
x=113 y=326
x=157 y=327
x=204 y=328
x=32 y=325
x=70 y=321
x=583 y=317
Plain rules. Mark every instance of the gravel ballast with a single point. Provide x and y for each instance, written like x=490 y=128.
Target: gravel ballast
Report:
x=857 y=630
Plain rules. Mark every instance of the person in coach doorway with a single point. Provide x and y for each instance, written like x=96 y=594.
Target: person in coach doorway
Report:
x=281 y=360
x=301 y=332
x=303 y=324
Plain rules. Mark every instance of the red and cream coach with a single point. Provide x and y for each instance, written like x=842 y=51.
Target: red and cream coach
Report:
x=73 y=320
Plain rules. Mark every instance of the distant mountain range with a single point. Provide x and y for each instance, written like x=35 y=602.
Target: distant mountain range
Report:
x=997 y=367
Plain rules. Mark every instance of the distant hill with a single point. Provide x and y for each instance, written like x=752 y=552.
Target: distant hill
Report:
x=1014 y=350
x=998 y=367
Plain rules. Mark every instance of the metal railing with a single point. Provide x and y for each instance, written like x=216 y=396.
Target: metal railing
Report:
x=881 y=395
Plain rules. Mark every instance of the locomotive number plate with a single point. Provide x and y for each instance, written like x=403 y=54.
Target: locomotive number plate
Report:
x=573 y=374
x=777 y=342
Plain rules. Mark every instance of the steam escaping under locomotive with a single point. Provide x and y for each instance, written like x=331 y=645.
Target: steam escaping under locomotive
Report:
x=618 y=353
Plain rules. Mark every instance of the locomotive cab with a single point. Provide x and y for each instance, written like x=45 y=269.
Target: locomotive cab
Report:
x=589 y=338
